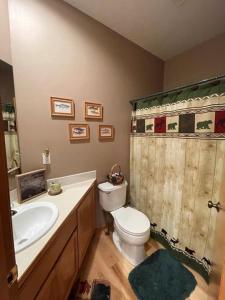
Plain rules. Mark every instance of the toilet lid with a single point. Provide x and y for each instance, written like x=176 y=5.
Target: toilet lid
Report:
x=131 y=220
x=108 y=187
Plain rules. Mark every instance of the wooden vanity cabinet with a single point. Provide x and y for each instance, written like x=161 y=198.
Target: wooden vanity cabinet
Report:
x=54 y=271
x=86 y=224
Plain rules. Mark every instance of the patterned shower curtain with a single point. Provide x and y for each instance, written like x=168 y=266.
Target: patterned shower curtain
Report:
x=176 y=165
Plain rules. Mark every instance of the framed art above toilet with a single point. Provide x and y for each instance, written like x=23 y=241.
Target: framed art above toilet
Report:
x=93 y=111
x=79 y=132
x=61 y=107
x=106 y=132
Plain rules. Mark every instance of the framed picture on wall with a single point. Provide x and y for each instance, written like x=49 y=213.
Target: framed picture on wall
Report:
x=93 y=111
x=61 y=107
x=106 y=132
x=79 y=132
x=31 y=184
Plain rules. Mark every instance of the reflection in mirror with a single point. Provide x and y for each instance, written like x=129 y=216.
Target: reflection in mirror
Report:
x=7 y=100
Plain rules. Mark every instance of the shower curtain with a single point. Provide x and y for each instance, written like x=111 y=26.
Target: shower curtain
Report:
x=176 y=166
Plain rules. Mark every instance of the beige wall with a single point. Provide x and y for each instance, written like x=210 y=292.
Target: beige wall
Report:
x=204 y=61
x=58 y=51
x=4 y=32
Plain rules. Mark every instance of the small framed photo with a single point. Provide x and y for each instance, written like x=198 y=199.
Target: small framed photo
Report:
x=106 y=132
x=79 y=132
x=61 y=107
x=31 y=184
x=93 y=111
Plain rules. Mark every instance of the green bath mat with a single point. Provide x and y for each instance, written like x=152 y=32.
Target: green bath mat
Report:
x=161 y=277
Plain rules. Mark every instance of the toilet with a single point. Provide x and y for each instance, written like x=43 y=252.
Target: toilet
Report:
x=131 y=227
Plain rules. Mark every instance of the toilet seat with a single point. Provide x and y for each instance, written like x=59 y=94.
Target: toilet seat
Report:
x=131 y=221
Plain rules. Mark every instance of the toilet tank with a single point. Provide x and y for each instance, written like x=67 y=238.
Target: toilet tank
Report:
x=112 y=197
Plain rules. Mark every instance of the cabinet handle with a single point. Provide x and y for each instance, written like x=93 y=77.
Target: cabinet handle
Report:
x=12 y=276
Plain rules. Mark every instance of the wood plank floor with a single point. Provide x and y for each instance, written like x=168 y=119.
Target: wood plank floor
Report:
x=103 y=261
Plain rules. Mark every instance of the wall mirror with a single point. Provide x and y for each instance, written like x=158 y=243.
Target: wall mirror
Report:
x=7 y=100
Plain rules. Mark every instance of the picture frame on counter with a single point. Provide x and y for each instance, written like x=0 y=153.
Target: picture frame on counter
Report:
x=62 y=107
x=93 y=111
x=106 y=132
x=79 y=132
x=31 y=184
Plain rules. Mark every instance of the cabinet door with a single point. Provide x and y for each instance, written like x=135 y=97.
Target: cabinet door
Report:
x=86 y=223
x=49 y=289
x=61 y=278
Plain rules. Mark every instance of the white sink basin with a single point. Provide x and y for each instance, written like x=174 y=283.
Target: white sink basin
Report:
x=31 y=222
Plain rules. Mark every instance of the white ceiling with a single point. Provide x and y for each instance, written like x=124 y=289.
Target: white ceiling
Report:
x=163 y=27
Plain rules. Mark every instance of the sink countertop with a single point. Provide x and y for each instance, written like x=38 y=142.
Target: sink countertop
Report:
x=65 y=202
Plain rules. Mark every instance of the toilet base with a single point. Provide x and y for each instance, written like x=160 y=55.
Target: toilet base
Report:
x=135 y=254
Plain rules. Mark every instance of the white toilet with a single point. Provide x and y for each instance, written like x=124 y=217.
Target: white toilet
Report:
x=131 y=227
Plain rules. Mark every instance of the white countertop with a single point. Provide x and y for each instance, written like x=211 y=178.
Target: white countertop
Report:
x=65 y=202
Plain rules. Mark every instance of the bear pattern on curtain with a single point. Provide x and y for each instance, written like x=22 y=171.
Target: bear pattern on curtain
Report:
x=176 y=166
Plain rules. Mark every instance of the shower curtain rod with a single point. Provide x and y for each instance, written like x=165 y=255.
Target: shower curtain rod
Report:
x=205 y=81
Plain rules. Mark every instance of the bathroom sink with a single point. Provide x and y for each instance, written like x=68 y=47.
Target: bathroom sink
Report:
x=31 y=222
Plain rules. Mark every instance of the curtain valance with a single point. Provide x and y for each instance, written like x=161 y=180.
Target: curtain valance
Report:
x=185 y=94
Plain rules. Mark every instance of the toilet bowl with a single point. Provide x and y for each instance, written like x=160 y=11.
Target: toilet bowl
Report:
x=131 y=227
x=131 y=232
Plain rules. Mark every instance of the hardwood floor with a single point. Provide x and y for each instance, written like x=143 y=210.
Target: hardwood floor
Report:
x=103 y=261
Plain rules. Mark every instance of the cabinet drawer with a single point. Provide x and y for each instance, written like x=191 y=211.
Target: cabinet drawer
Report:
x=60 y=280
